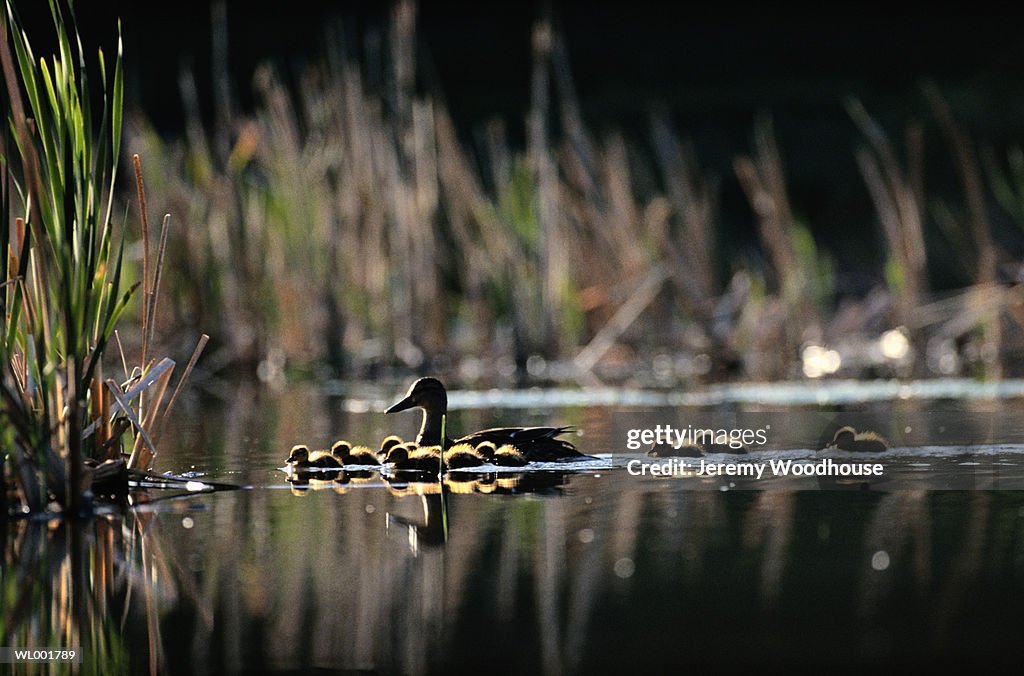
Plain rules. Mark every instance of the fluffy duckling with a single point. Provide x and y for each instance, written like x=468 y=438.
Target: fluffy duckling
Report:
x=301 y=458
x=486 y=449
x=395 y=455
x=387 y=444
x=462 y=455
x=849 y=439
x=426 y=458
x=505 y=455
x=353 y=455
x=412 y=457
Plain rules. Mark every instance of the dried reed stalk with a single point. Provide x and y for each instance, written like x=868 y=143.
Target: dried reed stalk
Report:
x=897 y=201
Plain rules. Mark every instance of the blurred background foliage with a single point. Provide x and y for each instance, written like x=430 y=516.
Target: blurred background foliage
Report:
x=598 y=194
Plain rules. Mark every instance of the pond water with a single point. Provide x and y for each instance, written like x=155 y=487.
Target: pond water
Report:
x=596 y=567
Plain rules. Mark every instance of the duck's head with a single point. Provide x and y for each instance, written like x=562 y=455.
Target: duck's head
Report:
x=425 y=393
x=299 y=453
x=486 y=449
x=341 y=449
x=390 y=442
x=398 y=453
x=844 y=435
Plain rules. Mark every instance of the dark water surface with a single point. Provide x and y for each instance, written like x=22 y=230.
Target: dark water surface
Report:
x=591 y=570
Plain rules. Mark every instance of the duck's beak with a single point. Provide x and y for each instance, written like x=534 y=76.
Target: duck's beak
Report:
x=403 y=405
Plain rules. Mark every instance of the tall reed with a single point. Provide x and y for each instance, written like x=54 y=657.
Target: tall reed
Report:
x=64 y=293
x=63 y=270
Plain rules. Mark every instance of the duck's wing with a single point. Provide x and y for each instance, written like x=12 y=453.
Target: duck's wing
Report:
x=513 y=435
x=537 y=444
x=551 y=450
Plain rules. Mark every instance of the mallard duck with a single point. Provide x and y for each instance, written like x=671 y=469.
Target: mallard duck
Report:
x=463 y=455
x=504 y=456
x=535 y=443
x=849 y=439
x=301 y=458
x=353 y=455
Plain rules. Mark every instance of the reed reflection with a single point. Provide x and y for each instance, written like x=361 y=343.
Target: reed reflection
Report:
x=366 y=572
x=89 y=586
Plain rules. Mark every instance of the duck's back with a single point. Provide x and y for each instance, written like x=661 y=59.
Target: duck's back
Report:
x=537 y=444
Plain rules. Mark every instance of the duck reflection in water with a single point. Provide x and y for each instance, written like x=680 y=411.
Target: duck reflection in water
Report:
x=429 y=527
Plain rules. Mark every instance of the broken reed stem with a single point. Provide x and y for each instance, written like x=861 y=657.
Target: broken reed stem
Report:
x=120 y=349
x=126 y=408
x=200 y=346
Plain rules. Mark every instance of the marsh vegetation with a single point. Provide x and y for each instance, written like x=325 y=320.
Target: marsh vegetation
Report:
x=347 y=222
x=346 y=232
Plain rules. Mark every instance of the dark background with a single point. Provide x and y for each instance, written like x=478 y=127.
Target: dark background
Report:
x=713 y=68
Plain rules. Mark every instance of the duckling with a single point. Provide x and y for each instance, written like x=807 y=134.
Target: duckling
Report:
x=364 y=455
x=340 y=449
x=301 y=458
x=396 y=455
x=399 y=452
x=353 y=455
x=427 y=458
x=535 y=443
x=387 y=444
x=462 y=455
x=506 y=455
x=412 y=457
x=486 y=449
x=849 y=439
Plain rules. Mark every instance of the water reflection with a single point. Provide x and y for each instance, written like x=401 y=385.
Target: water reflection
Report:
x=91 y=586
x=557 y=572
x=575 y=580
